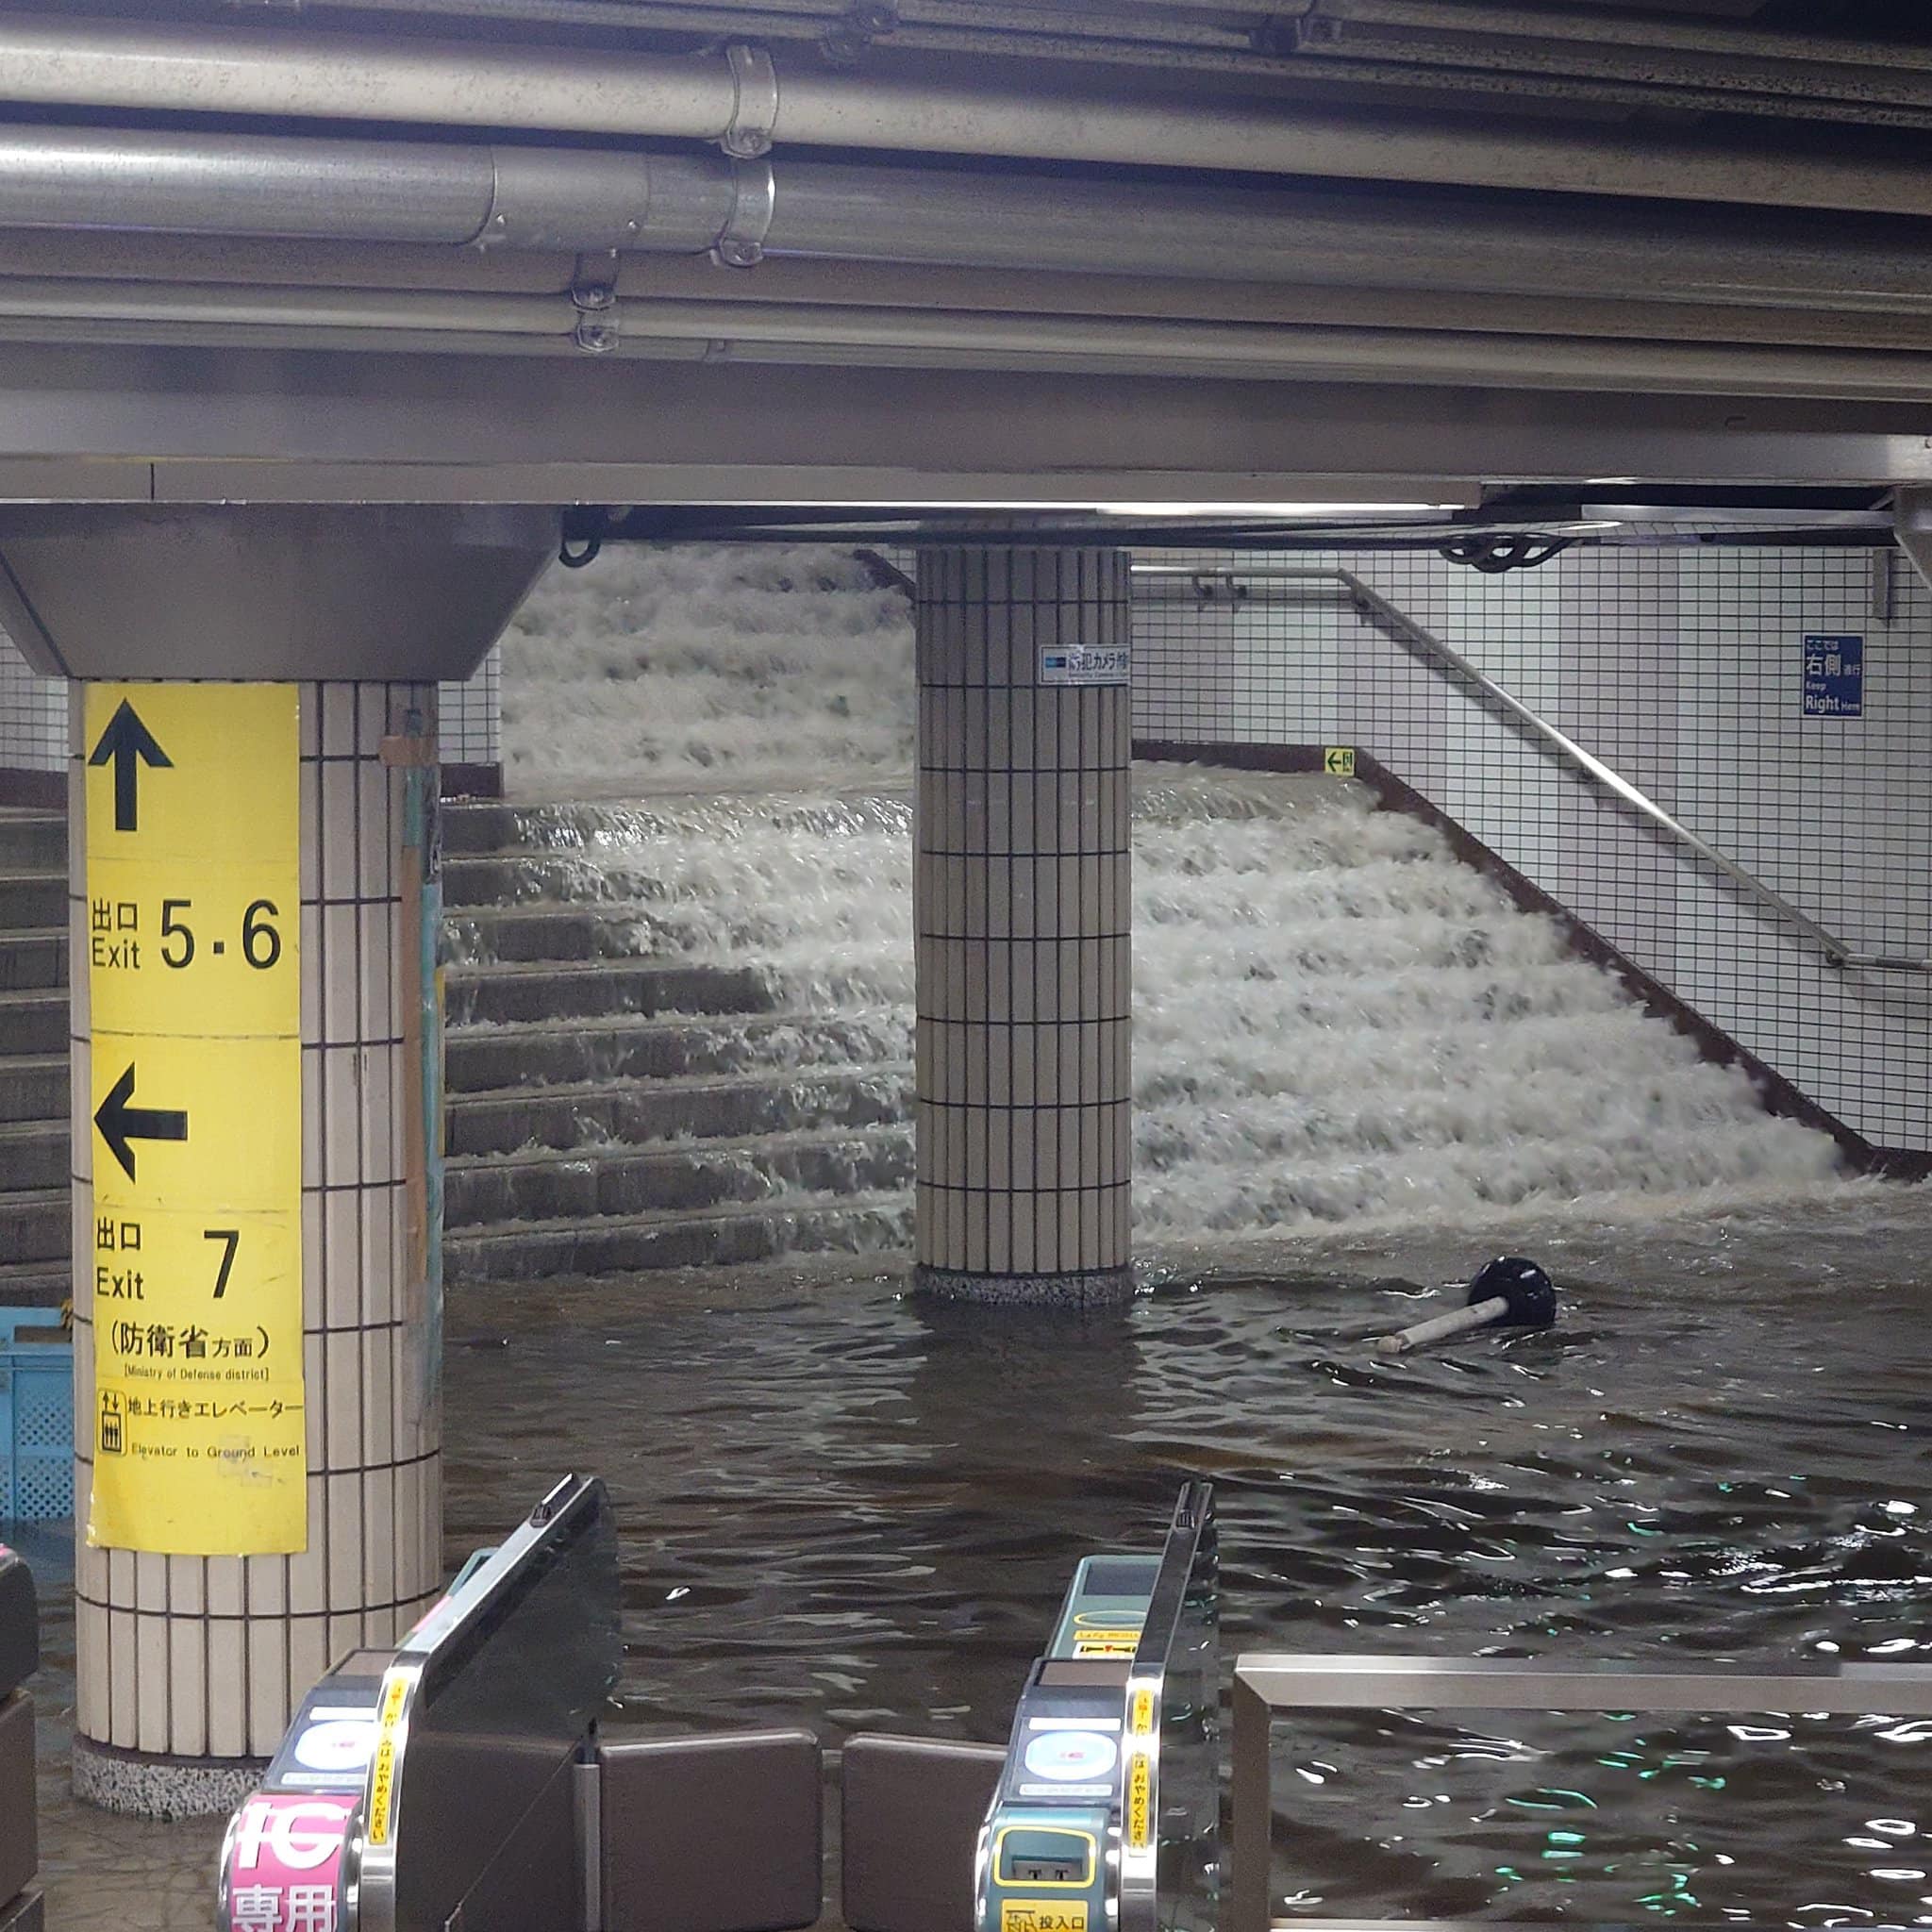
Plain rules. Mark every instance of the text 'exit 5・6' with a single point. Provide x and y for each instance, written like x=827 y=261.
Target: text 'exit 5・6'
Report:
x=193 y=1291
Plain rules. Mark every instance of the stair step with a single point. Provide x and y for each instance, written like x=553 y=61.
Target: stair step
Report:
x=602 y=988
x=536 y=1054
x=476 y=881
x=734 y=1234
x=582 y=1114
x=35 y=1284
x=33 y=957
x=33 y=1154
x=483 y=826
x=34 y=1022
x=553 y=1186
x=32 y=898
x=33 y=1086
x=36 y=1225
x=541 y=932
x=33 y=842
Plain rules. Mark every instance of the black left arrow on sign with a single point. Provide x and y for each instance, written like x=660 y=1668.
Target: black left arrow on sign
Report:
x=121 y=1124
x=128 y=742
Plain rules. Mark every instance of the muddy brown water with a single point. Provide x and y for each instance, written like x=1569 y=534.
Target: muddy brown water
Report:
x=845 y=1509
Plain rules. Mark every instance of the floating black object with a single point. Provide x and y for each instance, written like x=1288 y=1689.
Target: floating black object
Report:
x=1509 y=1291
x=1529 y=1296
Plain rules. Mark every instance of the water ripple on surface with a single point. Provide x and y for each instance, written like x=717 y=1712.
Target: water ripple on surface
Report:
x=846 y=1509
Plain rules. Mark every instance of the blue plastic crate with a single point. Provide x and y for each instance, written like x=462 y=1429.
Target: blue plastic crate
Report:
x=36 y=1417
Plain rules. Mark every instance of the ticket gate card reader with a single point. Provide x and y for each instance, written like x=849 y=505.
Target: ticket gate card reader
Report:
x=1051 y=1834
x=1073 y=1820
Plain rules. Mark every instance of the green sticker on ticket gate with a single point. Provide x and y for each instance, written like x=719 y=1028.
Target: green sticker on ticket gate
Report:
x=192 y=1263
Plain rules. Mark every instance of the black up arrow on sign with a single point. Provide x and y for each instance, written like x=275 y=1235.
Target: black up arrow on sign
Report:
x=126 y=741
x=121 y=1123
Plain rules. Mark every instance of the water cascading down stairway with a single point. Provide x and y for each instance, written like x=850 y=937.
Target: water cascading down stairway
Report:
x=680 y=1022
x=681 y=1032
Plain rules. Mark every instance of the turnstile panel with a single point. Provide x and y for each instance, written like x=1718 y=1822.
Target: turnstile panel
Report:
x=1107 y=1815
x=20 y=1627
x=1170 y=1837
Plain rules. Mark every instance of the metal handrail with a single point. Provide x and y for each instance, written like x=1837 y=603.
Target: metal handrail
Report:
x=1425 y=644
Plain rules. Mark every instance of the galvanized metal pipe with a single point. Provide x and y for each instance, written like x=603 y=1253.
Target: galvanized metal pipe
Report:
x=1569 y=57
x=1312 y=353
x=145 y=181
x=807 y=332
x=95 y=63
x=1024 y=221
x=1797 y=52
x=586 y=199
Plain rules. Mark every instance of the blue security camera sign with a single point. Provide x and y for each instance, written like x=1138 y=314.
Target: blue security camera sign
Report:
x=1834 y=675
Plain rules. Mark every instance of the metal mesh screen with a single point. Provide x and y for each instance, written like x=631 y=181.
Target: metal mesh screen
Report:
x=1718 y=681
x=36 y=1437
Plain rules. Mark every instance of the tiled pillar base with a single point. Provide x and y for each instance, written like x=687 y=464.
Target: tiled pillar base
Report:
x=139 y=1786
x=1103 y=1288
x=190 y=1666
x=1022 y=917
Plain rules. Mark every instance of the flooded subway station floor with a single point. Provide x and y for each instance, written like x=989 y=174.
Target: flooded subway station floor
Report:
x=850 y=1510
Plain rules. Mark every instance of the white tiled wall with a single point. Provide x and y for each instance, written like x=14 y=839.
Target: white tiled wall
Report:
x=1681 y=669
x=471 y=713
x=33 y=716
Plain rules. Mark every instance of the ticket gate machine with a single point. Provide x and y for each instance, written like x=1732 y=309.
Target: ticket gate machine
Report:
x=462 y=1783
x=1106 y=1814
x=20 y=1897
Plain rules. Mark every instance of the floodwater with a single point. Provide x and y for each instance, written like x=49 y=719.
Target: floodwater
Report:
x=848 y=1509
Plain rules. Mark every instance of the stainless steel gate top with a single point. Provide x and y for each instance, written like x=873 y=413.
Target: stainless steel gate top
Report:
x=485 y=1711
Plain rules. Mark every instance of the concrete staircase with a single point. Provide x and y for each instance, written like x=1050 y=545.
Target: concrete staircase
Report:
x=610 y=1110
x=36 y=1228
x=606 y=1112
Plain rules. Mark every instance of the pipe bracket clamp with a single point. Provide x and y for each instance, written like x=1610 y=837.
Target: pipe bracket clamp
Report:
x=593 y=296
x=754 y=202
x=754 y=103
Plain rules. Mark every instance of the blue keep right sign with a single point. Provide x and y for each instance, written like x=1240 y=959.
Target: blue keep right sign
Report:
x=1834 y=675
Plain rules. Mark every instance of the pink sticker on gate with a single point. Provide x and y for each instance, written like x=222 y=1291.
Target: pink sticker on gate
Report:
x=284 y=1857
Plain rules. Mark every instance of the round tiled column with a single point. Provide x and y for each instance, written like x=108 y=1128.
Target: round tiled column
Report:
x=190 y=1666
x=1022 y=915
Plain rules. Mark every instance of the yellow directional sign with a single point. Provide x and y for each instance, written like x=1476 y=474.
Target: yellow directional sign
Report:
x=195 y=1266
x=1338 y=761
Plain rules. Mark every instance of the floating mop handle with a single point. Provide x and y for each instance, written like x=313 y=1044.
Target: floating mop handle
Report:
x=1475 y=1316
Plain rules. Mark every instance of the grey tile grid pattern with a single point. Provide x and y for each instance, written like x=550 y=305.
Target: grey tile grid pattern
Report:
x=33 y=715
x=1021 y=914
x=469 y=713
x=1681 y=667
x=205 y=1656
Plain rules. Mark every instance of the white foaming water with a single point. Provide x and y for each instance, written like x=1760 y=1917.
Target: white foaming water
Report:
x=684 y=669
x=1337 y=1023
